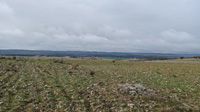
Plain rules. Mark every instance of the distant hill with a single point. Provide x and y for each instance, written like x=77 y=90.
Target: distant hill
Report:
x=91 y=54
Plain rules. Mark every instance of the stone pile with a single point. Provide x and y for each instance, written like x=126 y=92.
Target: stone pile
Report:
x=135 y=89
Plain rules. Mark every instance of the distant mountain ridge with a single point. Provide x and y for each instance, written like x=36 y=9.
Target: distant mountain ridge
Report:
x=13 y=52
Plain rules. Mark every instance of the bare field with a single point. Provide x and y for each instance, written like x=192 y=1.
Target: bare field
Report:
x=37 y=85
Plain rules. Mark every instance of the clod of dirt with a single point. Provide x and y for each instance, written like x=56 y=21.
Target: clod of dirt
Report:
x=136 y=89
x=74 y=66
x=92 y=73
x=70 y=72
x=175 y=76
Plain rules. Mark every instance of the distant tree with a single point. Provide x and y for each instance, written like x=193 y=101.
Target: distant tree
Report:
x=14 y=58
x=163 y=58
x=197 y=57
x=181 y=57
x=2 y=57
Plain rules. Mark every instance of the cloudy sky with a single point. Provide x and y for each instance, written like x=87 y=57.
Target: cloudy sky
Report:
x=165 y=26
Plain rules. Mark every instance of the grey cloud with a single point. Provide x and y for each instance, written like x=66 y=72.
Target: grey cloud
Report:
x=106 y=25
x=5 y=11
x=175 y=36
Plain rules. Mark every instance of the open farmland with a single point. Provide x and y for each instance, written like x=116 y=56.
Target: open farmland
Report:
x=93 y=85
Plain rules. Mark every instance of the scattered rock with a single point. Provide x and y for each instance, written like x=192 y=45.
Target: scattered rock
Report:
x=95 y=84
x=186 y=105
x=133 y=92
x=131 y=105
x=135 y=89
x=46 y=86
x=139 y=87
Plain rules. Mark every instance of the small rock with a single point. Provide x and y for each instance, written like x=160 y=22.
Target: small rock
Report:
x=95 y=84
x=139 y=86
x=132 y=88
x=133 y=92
x=112 y=108
x=186 y=105
x=1 y=102
x=139 y=91
x=46 y=86
x=131 y=105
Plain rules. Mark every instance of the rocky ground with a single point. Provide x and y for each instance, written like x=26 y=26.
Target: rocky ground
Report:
x=98 y=85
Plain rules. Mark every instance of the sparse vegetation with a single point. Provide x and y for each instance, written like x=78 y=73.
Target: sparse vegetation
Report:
x=163 y=59
x=197 y=57
x=115 y=58
x=37 y=85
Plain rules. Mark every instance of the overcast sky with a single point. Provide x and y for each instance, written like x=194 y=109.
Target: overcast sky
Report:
x=158 y=26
